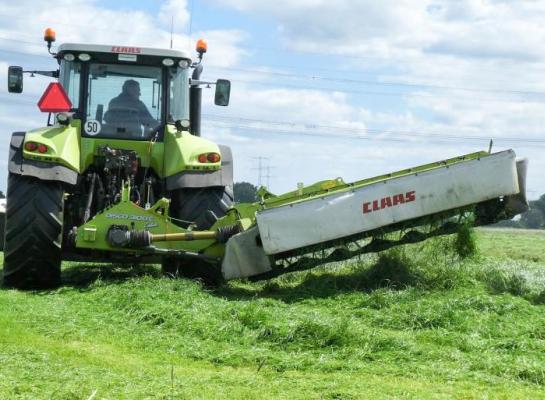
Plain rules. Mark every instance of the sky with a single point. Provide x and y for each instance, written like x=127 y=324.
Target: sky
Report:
x=321 y=89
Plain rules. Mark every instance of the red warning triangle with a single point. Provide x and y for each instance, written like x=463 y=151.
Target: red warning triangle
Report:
x=54 y=99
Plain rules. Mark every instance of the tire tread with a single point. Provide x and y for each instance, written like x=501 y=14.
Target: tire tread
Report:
x=33 y=235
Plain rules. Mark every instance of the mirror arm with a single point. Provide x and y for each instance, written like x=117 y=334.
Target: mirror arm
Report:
x=195 y=82
x=53 y=74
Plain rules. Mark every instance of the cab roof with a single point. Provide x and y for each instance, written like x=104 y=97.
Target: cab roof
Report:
x=117 y=49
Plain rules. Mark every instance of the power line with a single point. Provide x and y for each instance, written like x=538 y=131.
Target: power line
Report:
x=356 y=81
x=362 y=73
x=435 y=140
x=339 y=128
x=347 y=132
x=314 y=68
x=375 y=93
x=379 y=83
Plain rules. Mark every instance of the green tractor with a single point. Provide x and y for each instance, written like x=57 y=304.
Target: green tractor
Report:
x=126 y=130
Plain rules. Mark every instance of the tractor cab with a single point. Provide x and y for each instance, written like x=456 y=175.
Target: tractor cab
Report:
x=130 y=93
x=125 y=92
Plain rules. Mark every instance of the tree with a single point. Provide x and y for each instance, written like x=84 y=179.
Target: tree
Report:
x=539 y=204
x=534 y=218
x=245 y=192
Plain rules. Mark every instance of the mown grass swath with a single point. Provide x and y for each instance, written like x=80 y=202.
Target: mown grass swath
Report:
x=419 y=321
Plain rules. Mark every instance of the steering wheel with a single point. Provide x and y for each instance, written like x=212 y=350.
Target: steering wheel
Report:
x=124 y=121
x=116 y=115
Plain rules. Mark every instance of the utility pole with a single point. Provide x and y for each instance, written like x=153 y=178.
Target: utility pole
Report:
x=269 y=176
x=260 y=168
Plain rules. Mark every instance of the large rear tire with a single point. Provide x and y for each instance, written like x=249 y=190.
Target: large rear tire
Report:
x=193 y=268
x=33 y=237
x=202 y=207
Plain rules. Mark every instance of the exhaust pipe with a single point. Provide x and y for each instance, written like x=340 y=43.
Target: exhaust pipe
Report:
x=195 y=101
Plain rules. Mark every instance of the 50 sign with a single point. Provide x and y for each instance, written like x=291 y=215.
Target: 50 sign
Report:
x=92 y=127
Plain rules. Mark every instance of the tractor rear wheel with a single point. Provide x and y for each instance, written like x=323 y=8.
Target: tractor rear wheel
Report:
x=201 y=206
x=192 y=268
x=33 y=236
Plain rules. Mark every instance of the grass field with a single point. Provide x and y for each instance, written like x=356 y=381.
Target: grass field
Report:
x=416 y=323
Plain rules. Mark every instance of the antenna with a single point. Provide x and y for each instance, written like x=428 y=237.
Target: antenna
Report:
x=190 y=22
x=171 y=29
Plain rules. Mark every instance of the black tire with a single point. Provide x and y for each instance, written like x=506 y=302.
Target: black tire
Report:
x=202 y=206
x=33 y=237
x=193 y=268
x=2 y=229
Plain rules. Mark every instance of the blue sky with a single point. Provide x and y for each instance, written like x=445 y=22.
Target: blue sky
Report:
x=351 y=88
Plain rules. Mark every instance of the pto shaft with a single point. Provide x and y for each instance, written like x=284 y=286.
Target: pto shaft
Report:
x=121 y=236
x=185 y=236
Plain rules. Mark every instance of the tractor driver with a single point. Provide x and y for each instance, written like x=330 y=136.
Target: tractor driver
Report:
x=127 y=109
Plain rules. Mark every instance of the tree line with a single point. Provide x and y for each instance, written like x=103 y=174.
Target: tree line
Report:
x=534 y=218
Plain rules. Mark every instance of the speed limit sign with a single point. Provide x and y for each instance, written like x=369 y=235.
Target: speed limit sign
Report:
x=92 y=127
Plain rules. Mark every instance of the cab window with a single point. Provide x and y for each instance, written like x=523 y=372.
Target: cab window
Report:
x=124 y=101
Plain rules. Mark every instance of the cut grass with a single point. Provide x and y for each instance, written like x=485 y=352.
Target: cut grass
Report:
x=412 y=323
x=513 y=244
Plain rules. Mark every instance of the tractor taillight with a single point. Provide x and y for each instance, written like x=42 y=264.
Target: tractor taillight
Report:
x=207 y=158
x=213 y=157
x=42 y=148
x=31 y=146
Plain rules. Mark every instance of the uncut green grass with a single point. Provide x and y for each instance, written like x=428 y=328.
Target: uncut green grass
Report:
x=412 y=323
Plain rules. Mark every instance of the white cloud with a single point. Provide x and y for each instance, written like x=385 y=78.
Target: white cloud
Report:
x=394 y=28
x=474 y=44
x=83 y=21
x=488 y=47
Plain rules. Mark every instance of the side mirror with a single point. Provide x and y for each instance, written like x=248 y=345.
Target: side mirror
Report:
x=223 y=92
x=15 y=79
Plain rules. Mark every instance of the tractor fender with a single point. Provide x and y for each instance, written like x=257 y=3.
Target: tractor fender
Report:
x=199 y=179
x=38 y=169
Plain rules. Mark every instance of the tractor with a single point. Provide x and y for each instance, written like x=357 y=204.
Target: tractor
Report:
x=126 y=122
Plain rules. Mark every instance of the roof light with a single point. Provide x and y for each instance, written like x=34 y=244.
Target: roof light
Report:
x=84 y=57
x=202 y=46
x=69 y=57
x=183 y=64
x=168 y=62
x=49 y=35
